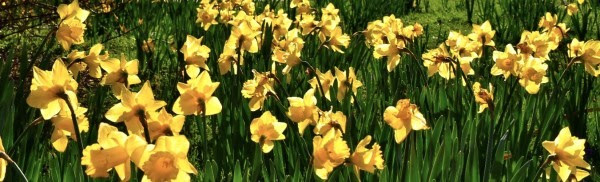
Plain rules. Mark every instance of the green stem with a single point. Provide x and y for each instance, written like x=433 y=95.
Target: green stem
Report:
x=4 y=156
x=142 y=117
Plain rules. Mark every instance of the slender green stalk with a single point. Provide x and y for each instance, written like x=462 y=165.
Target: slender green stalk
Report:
x=142 y=116
x=5 y=156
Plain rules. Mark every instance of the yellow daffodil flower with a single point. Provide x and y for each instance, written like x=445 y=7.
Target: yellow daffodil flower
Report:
x=535 y=43
x=483 y=97
x=326 y=82
x=120 y=71
x=303 y=111
x=66 y=11
x=330 y=121
x=308 y=23
x=403 y=118
x=533 y=74
x=507 y=62
x=133 y=107
x=75 y=65
x=566 y=155
x=162 y=123
x=346 y=81
x=69 y=32
x=63 y=127
x=228 y=60
x=195 y=55
x=572 y=9
x=93 y=60
x=587 y=53
x=336 y=39
x=265 y=129
x=109 y=153
x=288 y=50
x=207 y=14
x=483 y=34
x=329 y=151
x=367 y=159
x=3 y=163
x=49 y=89
x=164 y=161
x=196 y=96
x=258 y=89
x=548 y=21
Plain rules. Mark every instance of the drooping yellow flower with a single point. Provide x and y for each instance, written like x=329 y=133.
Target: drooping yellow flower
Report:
x=196 y=96
x=336 y=40
x=93 y=60
x=308 y=24
x=533 y=74
x=74 y=64
x=330 y=121
x=535 y=43
x=162 y=123
x=228 y=60
x=69 y=32
x=329 y=19
x=346 y=81
x=329 y=151
x=265 y=129
x=71 y=28
x=391 y=50
x=288 y=50
x=66 y=11
x=303 y=111
x=434 y=58
x=566 y=154
x=3 y=163
x=164 y=161
x=326 y=82
x=367 y=159
x=404 y=118
x=258 y=88
x=587 y=53
x=109 y=153
x=374 y=33
x=120 y=71
x=207 y=14
x=63 y=127
x=507 y=62
x=195 y=55
x=572 y=9
x=548 y=21
x=483 y=97
x=49 y=89
x=244 y=34
x=302 y=6
x=483 y=34
x=134 y=108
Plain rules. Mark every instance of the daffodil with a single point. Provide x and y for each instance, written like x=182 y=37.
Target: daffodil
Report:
x=148 y=45
x=265 y=129
x=162 y=123
x=329 y=18
x=3 y=163
x=164 y=161
x=195 y=55
x=535 y=43
x=483 y=34
x=120 y=71
x=435 y=58
x=533 y=74
x=308 y=24
x=69 y=32
x=587 y=53
x=507 y=62
x=288 y=50
x=244 y=34
x=207 y=14
x=346 y=81
x=367 y=159
x=403 y=118
x=330 y=121
x=548 y=21
x=196 y=96
x=51 y=89
x=391 y=50
x=258 y=88
x=326 y=79
x=93 y=60
x=71 y=28
x=66 y=11
x=75 y=64
x=303 y=111
x=572 y=9
x=63 y=127
x=483 y=97
x=109 y=153
x=566 y=155
x=329 y=151
x=135 y=108
x=228 y=60
x=302 y=6
x=336 y=40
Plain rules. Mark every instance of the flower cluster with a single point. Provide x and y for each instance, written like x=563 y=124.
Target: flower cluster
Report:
x=390 y=38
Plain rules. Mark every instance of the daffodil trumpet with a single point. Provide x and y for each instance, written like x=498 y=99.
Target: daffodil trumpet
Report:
x=5 y=156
